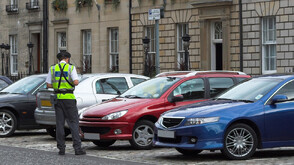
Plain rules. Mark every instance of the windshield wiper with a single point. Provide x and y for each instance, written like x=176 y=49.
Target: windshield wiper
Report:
x=4 y=92
x=221 y=99
x=246 y=101
x=132 y=96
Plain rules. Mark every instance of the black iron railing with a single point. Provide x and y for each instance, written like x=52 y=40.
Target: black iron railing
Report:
x=12 y=8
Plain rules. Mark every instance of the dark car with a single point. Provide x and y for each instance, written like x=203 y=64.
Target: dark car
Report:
x=18 y=103
x=4 y=82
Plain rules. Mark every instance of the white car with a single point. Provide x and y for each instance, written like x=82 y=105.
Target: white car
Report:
x=92 y=89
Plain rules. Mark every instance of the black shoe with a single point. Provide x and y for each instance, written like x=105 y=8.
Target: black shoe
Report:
x=80 y=152
x=61 y=152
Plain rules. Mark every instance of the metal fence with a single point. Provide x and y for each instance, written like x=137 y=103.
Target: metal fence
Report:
x=20 y=75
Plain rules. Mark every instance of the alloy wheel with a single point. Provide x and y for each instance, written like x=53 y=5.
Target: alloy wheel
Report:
x=240 y=142
x=7 y=123
x=143 y=135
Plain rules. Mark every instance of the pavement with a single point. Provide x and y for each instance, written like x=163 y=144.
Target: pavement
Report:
x=122 y=151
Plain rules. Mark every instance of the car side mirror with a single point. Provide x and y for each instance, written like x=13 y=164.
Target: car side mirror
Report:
x=177 y=98
x=279 y=98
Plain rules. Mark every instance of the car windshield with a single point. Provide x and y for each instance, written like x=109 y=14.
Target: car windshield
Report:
x=249 y=91
x=153 y=88
x=24 y=85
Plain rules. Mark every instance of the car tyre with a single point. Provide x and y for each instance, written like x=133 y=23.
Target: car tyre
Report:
x=103 y=143
x=143 y=134
x=52 y=132
x=188 y=152
x=8 y=123
x=240 y=142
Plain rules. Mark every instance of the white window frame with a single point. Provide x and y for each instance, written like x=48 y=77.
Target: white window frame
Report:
x=113 y=49
x=182 y=29
x=14 y=4
x=34 y=3
x=150 y=33
x=87 y=48
x=61 y=45
x=214 y=41
x=13 y=54
x=268 y=45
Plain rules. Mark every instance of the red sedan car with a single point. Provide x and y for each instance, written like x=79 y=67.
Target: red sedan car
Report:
x=132 y=115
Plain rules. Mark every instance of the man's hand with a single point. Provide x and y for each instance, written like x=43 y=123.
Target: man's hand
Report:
x=76 y=82
x=49 y=85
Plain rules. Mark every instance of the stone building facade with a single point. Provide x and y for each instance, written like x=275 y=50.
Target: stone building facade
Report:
x=96 y=35
x=100 y=39
x=214 y=27
x=21 y=23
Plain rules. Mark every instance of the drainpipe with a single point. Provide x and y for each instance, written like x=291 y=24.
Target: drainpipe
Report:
x=45 y=36
x=130 y=36
x=241 y=35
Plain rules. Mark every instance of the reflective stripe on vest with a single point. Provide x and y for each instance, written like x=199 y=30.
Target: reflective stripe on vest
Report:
x=55 y=74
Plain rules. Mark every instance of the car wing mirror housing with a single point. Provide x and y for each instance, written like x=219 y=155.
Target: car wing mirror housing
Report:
x=177 y=98
x=279 y=98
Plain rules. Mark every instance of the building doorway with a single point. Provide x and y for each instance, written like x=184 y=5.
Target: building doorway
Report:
x=36 y=55
x=216 y=46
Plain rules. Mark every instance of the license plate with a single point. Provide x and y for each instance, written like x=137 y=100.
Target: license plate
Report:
x=166 y=134
x=46 y=103
x=92 y=136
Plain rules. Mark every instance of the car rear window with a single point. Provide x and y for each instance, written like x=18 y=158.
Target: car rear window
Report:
x=116 y=85
x=219 y=84
x=136 y=81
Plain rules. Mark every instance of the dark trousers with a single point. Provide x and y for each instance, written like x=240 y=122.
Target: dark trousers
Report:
x=66 y=109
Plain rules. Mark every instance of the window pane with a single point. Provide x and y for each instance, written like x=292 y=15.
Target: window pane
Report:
x=3 y=84
x=114 y=85
x=191 y=89
x=218 y=85
x=136 y=81
x=287 y=90
x=98 y=88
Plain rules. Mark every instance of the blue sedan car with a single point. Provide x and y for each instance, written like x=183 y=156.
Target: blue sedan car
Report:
x=258 y=113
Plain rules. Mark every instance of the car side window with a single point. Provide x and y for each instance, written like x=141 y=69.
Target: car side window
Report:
x=136 y=81
x=3 y=84
x=287 y=90
x=116 y=85
x=219 y=84
x=98 y=87
x=240 y=79
x=191 y=89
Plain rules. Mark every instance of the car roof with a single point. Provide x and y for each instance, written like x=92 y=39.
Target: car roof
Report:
x=92 y=75
x=276 y=76
x=6 y=79
x=182 y=74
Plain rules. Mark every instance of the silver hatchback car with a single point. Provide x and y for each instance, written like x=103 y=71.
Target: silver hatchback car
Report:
x=92 y=89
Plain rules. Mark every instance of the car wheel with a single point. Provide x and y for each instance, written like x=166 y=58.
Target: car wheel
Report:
x=188 y=152
x=240 y=142
x=143 y=133
x=8 y=123
x=52 y=132
x=103 y=143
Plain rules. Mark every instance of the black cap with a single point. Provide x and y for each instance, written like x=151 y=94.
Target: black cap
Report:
x=63 y=55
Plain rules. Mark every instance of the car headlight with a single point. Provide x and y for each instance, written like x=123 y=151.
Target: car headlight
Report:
x=114 y=115
x=159 y=120
x=202 y=120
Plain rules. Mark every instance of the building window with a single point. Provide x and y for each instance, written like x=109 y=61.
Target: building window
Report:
x=13 y=53
x=61 y=41
x=218 y=31
x=113 y=45
x=269 y=45
x=87 y=52
x=182 y=29
x=13 y=4
x=150 y=33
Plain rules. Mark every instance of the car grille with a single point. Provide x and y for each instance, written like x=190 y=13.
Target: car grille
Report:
x=100 y=130
x=169 y=140
x=171 y=122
